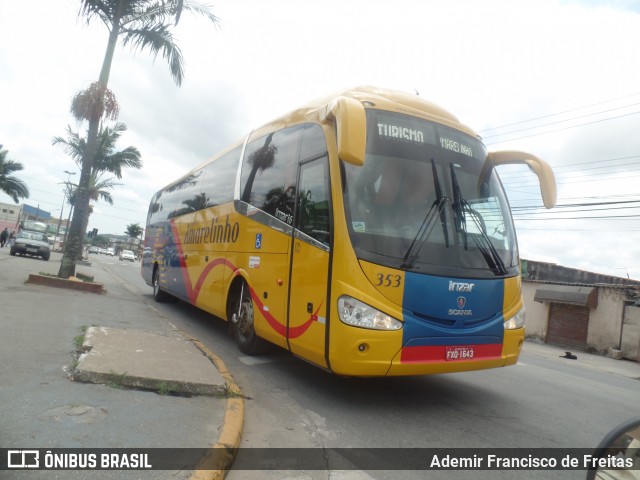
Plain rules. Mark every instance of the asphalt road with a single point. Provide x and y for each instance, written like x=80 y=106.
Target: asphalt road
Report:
x=542 y=402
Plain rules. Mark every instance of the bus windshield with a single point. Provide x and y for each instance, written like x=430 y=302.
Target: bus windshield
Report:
x=419 y=202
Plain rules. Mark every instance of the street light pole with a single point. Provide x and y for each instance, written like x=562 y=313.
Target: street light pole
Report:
x=62 y=208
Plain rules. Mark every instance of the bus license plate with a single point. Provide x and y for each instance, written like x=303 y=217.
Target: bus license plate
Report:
x=459 y=353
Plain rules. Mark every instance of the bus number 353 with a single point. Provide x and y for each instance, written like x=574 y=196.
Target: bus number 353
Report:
x=388 y=280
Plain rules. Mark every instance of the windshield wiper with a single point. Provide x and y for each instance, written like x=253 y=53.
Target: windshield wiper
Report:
x=488 y=251
x=427 y=224
x=440 y=197
x=460 y=207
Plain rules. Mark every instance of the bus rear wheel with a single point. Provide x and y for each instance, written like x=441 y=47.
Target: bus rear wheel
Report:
x=243 y=329
x=159 y=295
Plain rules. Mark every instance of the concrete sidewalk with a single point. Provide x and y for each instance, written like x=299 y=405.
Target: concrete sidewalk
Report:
x=168 y=363
x=149 y=385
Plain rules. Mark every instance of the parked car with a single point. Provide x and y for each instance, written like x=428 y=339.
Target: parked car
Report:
x=31 y=243
x=111 y=251
x=93 y=249
x=127 y=255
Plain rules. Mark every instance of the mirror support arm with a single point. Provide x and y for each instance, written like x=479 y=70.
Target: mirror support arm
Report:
x=541 y=168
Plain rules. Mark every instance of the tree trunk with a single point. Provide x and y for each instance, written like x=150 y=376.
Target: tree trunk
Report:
x=75 y=238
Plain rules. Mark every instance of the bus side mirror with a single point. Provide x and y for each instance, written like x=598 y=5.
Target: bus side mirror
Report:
x=350 y=119
x=617 y=457
x=541 y=168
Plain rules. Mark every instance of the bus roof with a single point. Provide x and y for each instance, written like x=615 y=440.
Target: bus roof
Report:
x=316 y=110
x=372 y=97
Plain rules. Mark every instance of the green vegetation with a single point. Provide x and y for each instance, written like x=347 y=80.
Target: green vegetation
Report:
x=9 y=184
x=139 y=24
x=117 y=380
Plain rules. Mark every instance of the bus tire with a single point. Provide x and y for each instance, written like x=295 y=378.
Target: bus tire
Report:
x=159 y=295
x=243 y=329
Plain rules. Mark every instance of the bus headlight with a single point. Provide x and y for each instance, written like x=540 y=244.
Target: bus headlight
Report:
x=517 y=321
x=354 y=312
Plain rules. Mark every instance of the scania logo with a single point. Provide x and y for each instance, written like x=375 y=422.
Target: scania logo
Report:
x=461 y=311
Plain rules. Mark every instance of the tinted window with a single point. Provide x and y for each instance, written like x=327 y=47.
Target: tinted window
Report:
x=313 y=142
x=269 y=171
x=313 y=216
x=220 y=178
x=210 y=186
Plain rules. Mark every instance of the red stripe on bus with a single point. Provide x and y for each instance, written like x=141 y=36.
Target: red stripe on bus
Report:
x=295 y=332
x=275 y=324
x=194 y=291
x=205 y=272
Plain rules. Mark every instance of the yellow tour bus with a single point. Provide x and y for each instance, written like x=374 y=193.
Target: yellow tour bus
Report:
x=367 y=232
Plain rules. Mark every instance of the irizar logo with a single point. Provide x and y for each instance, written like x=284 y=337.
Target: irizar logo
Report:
x=460 y=286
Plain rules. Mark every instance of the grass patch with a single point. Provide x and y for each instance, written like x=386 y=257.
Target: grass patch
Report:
x=118 y=380
x=78 y=340
x=165 y=388
x=231 y=392
x=84 y=278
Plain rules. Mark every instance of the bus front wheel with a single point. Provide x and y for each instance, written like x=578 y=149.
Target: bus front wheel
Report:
x=245 y=334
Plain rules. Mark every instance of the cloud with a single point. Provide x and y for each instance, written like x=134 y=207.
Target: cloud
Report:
x=490 y=63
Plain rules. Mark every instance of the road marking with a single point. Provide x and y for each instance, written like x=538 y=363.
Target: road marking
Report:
x=264 y=359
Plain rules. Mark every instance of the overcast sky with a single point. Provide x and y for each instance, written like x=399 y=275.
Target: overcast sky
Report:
x=560 y=79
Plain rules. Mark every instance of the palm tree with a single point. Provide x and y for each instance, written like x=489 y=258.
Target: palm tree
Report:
x=142 y=25
x=99 y=189
x=134 y=230
x=106 y=158
x=12 y=186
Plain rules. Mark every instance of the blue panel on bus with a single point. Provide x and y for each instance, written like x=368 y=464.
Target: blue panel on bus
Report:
x=444 y=307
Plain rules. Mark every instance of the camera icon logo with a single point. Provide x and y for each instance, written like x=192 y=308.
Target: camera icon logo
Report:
x=23 y=459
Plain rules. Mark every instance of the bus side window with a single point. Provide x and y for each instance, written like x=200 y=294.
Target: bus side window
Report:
x=312 y=216
x=268 y=163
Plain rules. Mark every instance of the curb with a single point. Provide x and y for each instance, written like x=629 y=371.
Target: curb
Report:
x=114 y=375
x=56 y=282
x=217 y=463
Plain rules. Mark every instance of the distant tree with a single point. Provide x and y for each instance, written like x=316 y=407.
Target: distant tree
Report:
x=100 y=240
x=142 y=25
x=9 y=184
x=134 y=230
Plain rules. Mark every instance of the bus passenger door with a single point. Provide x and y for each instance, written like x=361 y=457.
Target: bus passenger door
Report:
x=310 y=263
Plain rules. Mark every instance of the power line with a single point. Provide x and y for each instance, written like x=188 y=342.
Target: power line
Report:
x=561 y=129
x=559 y=113
x=566 y=120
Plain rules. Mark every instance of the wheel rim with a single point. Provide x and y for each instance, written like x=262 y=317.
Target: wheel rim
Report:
x=244 y=325
x=156 y=283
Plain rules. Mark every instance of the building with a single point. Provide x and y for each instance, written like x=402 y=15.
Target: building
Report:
x=9 y=216
x=582 y=310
